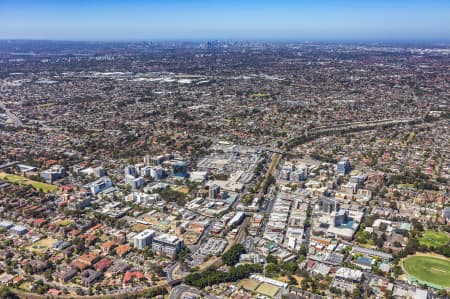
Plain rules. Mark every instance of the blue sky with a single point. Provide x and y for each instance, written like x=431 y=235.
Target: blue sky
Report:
x=225 y=19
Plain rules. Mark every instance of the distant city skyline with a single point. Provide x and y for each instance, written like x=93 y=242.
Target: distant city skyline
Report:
x=239 y=20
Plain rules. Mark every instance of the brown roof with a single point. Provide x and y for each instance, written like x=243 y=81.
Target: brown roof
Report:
x=88 y=258
x=108 y=245
x=123 y=249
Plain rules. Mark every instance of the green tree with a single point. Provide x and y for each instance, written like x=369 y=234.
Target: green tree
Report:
x=6 y=293
x=212 y=276
x=231 y=257
x=271 y=259
x=272 y=270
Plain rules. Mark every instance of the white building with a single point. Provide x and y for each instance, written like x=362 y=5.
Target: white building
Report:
x=143 y=239
x=130 y=170
x=143 y=198
x=167 y=244
x=198 y=176
x=100 y=185
x=146 y=171
x=157 y=172
x=98 y=172
x=349 y=274
x=135 y=183
x=237 y=219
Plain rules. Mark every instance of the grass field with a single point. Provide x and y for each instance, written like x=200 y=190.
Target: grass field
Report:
x=42 y=246
x=434 y=238
x=137 y=228
x=286 y=279
x=267 y=289
x=406 y=186
x=20 y=180
x=428 y=270
x=65 y=222
x=26 y=286
x=182 y=189
x=249 y=284
x=260 y=95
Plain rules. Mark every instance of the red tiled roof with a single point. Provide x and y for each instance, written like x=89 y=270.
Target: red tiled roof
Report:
x=310 y=264
x=74 y=232
x=129 y=276
x=102 y=265
x=88 y=258
x=80 y=265
x=54 y=292
x=40 y=221
x=95 y=227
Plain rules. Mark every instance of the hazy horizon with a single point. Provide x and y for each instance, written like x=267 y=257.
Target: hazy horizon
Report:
x=263 y=20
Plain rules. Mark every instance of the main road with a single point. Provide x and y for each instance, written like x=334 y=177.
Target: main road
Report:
x=17 y=122
x=179 y=290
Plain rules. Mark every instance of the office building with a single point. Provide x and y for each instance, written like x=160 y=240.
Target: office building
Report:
x=343 y=166
x=130 y=170
x=157 y=172
x=79 y=203
x=134 y=182
x=18 y=230
x=54 y=173
x=300 y=174
x=180 y=169
x=143 y=198
x=349 y=275
x=214 y=191
x=97 y=172
x=146 y=171
x=237 y=219
x=100 y=185
x=167 y=244
x=143 y=239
